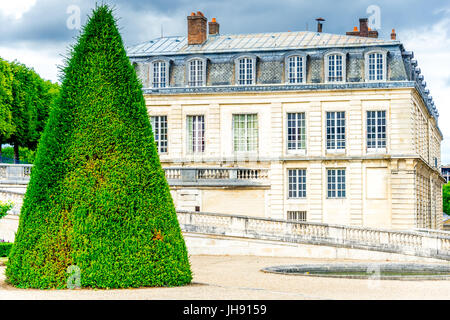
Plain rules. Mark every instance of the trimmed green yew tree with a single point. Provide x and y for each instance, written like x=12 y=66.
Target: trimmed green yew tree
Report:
x=98 y=198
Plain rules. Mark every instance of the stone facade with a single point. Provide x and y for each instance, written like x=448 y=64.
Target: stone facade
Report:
x=382 y=188
x=398 y=187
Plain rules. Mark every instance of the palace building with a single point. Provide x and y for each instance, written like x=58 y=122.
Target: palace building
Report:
x=304 y=126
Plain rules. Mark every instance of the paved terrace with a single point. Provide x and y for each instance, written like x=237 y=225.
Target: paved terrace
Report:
x=239 y=277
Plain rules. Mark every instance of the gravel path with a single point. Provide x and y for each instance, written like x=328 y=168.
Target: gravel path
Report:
x=239 y=277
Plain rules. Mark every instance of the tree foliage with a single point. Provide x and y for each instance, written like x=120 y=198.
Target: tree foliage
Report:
x=446 y=198
x=98 y=198
x=4 y=208
x=6 y=79
x=25 y=100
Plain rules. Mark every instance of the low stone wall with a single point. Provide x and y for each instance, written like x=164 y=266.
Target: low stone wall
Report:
x=208 y=244
x=411 y=243
x=8 y=227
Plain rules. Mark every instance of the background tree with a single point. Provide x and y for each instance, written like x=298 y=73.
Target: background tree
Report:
x=446 y=198
x=6 y=123
x=98 y=197
x=28 y=104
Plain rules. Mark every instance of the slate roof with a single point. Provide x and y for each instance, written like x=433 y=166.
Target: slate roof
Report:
x=252 y=42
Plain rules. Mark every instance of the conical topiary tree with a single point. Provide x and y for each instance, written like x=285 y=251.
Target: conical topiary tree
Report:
x=98 y=198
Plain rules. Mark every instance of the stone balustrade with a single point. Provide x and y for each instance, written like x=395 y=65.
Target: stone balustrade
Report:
x=15 y=173
x=185 y=176
x=403 y=242
x=181 y=176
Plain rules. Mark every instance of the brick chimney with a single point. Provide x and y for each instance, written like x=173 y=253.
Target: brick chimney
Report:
x=364 y=30
x=393 y=35
x=213 y=27
x=364 y=27
x=196 y=28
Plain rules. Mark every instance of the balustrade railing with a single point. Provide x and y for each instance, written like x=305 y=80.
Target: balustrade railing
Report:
x=15 y=172
x=403 y=242
x=174 y=175
x=219 y=176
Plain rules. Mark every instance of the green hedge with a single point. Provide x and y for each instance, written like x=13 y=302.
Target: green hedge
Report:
x=4 y=208
x=98 y=198
x=5 y=247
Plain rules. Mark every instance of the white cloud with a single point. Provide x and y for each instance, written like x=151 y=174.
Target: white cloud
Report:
x=16 y=8
x=431 y=46
x=44 y=60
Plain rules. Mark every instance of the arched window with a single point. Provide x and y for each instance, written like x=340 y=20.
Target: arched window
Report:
x=375 y=66
x=335 y=66
x=196 y=72
x=295 y=69
x=159 y=74
x=245 y=70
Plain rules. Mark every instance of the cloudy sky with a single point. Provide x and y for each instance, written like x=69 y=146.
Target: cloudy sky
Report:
x=37 y=32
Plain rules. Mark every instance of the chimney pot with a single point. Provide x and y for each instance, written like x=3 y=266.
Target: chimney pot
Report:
x=320 y=24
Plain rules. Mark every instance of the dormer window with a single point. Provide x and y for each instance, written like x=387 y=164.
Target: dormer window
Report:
x=196 y=72
x=295 y=69
x=245 y=70
x=335 y=67
x=159 y=74
x=376 y=66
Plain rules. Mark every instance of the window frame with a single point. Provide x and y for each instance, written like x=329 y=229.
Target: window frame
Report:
x=301 y=150
x=327 y=65
x=303 y=214
x=237 y=69
x=166 y=63
x=344 y=189
x=376 y=149
x=287 y=67
x=246 y=130
x=158 y=143
x=301 y=193
x=367 y=64
x=192 y=143
x=203 y=71
x=335 y=149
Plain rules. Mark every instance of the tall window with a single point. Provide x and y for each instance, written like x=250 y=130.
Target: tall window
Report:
x=296 y=66
x=246 y=72
x=335 y=64
x=296 y=131
x=196 y=73
x=375 y=65
x=245 y=132
x=159 y=126
x=159 y=74
x=376 y=130
x=196 y=133
x=336 y=183
x=297 y=183
x=336 y=130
